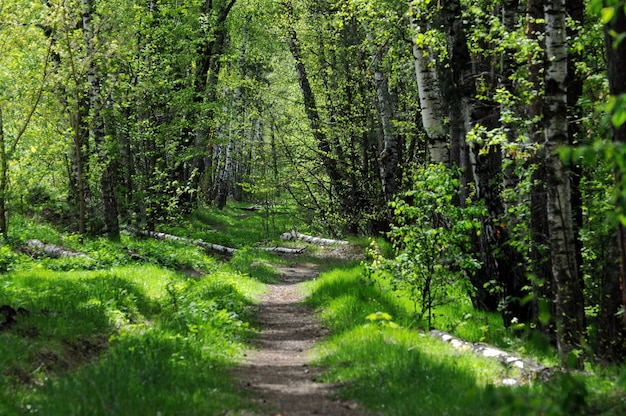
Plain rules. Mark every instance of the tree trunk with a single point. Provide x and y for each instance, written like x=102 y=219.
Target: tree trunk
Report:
x=310 y=107
x=463 y=113
x=4 y=167
x=96 y=125
x=389 y=158
x=207 y=71
x=570 y=317
x=513 y=275
x=574 y=82
x=430 y=96
x=52 y=250
x=224 y=179
x=541 y=263
x=459 y=91
x=611 y=347
x=612 y=328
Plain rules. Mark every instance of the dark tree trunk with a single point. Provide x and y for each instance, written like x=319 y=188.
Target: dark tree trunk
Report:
x=328 y=155
x=576 y=11
x=612 y=336
x=463 y=111
x=543 y=287
x=208 y=67
x=96 y=125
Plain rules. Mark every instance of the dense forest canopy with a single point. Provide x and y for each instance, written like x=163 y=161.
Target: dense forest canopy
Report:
x=484 y=138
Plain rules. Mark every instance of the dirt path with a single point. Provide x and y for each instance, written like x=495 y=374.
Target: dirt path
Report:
x=277 y=374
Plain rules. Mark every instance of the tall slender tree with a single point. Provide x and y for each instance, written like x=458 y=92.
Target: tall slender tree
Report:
x=431 y=105
x=612 y=329
x=570 y=319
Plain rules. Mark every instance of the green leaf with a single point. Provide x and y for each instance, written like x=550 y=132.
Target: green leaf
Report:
x=619 y=117
x=618 y=39
x=607 y=14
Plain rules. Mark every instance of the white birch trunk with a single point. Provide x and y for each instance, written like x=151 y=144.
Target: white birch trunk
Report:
x=430 y=98
x=294 y=235
x=569 y=300
x=53 y=250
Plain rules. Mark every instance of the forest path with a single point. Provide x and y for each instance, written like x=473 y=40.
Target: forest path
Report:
x=276 y=374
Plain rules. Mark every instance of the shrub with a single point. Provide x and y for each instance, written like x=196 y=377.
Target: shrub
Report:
x=431 y=240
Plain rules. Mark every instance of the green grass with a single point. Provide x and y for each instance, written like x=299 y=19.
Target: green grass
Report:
x=131 y=340
x=258 y=263
x=147 y=374
x=151 y=327
x=237 y=228
x=151 y=333
x=383 y=360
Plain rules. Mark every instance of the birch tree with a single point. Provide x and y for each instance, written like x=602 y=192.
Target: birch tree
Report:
x=430 y=96
x=570 y=318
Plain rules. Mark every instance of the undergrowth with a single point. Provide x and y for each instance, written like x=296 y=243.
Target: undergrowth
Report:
x=381 y=359
x=138 y=327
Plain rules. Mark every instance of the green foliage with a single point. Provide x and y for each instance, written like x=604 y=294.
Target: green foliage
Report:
x=128 y=340
x=431 y=241
x=257 y=263
x=212 y=308
x=347 y=298
x=236 y=227
x=567 y=395
x=7 y=258
x=149 y=374
x=398 y=370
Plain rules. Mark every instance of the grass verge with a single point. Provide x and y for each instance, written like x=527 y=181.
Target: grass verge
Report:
x=137 y=327
x=382 y=361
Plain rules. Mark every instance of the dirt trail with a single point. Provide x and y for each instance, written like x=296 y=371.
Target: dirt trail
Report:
x=277 y=374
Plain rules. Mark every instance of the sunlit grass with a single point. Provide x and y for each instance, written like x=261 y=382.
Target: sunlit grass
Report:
x=129 y=340
x=384 y=361
x=237 y=227
x=406 y=372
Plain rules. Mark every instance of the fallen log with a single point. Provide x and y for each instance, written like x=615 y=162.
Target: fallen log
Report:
x=208 y=246
x=294 y=235
x=530 y=369
x=53 y=250
x=284 y=250
x=163 y=236
x=251 y=208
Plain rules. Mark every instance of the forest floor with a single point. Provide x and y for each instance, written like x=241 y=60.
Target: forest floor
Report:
x=277 y=373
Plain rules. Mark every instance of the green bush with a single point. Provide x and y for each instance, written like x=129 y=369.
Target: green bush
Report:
x=431 y=240
x=8 y=258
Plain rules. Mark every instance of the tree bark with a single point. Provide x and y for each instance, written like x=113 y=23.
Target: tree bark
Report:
x=312 y=113
x=224 y=179
x=53 y=250
x=208 y=66
x=574 y=82
x=459 y=91
x=510 y=261
x=389 y=158
x=4 y=167
x=96 y=125
x=570 y=317
x=310 y=239
x=429 y=95
x=541 y=263
x=612 y=329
